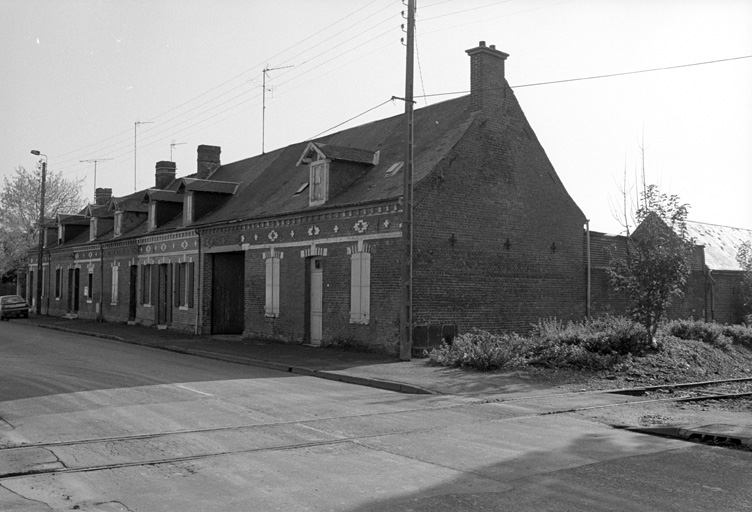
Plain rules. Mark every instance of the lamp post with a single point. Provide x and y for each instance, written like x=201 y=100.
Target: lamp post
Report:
x=41 y=231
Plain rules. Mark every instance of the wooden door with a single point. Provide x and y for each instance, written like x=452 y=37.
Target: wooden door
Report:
x=228 y=293
x=164 y=294
x=75 y=288
x=133 y=290
x=317 y=304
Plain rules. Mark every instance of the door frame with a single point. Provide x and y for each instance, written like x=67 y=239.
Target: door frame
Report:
x=316 y=301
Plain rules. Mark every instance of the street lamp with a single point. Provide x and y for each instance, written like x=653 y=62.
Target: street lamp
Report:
x=41 y=231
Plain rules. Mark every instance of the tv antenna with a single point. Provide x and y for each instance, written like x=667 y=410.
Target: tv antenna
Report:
x=263 y=102
x=95 y=160
x=172 y=146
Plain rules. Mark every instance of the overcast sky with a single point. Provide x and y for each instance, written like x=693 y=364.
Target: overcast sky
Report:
x=77 y=74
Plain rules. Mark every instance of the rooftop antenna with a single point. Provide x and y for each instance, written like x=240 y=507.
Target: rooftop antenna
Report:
x=135 y=161
x=95 y=160
x=263 y=102
x=172 y=146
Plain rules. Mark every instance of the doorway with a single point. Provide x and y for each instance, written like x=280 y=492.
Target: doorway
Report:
x=164 y=295
x=132 y=298
x=316 y=302
x=228 y=293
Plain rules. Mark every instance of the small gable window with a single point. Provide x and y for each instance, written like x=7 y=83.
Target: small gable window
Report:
x=319 y=183
x=188 y=209
x=118 y=223
x=92 y=228
x=152 y=216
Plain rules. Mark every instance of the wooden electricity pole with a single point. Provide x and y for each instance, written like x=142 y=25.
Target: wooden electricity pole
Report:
x=406 y=317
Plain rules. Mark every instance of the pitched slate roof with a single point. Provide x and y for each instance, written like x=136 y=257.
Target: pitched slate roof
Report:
x=721 y=243
x=268 y=182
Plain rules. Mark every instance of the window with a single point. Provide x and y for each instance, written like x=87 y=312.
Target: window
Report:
x=188 y=208
x=319 y=183
x=360 y=287
x=152 y=215
x=92 y=228
x=58 y=282
x=271 y=307
x=44 y=278
x=146 y=284
x=118 y=223
x=115 y=279
x=184 y=285
x=60 y=232
x=90 y=287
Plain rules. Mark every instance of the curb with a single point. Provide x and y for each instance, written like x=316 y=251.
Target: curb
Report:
x=702 y=434
x=298 y=370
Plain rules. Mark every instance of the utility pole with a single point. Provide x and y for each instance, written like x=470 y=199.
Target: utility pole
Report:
x=172 y=146
x=95 y=160
x=263 y=102
x=406 y=318
x=135 y=160
x=40 y=252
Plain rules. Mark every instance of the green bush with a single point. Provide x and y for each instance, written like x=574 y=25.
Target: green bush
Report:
x=740 y=334
x=605 y=335
x=481 y=350
x=708 y=332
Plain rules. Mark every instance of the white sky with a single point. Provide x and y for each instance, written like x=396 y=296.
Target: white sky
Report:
x=76 y=75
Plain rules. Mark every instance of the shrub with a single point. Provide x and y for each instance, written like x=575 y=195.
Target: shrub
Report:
x=481 y=350
x=741 y=334
x=708 y=332
x=605 y=335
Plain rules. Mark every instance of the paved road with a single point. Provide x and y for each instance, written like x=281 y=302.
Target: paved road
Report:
x=106 y=426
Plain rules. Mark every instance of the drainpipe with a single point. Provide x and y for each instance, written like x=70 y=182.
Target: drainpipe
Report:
x=100 y=313
x=712 y=296
x=587 y=249
x=199 y=300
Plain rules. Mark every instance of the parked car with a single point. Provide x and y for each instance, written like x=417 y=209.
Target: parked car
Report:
x=13 y=306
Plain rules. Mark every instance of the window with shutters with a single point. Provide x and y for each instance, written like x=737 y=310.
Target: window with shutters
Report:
x=146 y=284
x=118 y=223
x=360 y=287
x=184 y=285
x=114 y=290
x=90 y=287
x=58 y=283
x=319 y=189
x=271 y=307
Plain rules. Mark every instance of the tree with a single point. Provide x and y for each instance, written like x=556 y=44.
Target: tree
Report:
x=656 y=265
x=744 y=258
x=19 y=211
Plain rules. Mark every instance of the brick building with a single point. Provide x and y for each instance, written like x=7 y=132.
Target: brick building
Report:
x=713 y=288
x=303 y=244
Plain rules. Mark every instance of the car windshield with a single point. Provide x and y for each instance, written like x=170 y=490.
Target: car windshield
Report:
x=11 y=299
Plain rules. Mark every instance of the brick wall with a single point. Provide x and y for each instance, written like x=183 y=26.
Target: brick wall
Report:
x=498 y=240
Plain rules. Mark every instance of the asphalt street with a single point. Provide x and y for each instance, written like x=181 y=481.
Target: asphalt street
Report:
x=98 y=425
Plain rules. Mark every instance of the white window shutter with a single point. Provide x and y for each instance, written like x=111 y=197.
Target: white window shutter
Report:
x=275 y=286
x=365 y=287
x=269 y=287
x=355 y=275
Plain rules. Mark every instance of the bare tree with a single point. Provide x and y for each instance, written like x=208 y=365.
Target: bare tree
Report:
x=19 y=211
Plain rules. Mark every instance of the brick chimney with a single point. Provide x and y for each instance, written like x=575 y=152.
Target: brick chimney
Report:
x=208 y=160
x=165 y=174
x=487 y=82
x=102 y=195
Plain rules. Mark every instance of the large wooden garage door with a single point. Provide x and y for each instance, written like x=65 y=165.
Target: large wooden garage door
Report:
x=228 y=283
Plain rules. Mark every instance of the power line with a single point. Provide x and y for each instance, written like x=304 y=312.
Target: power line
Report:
x=354 y=117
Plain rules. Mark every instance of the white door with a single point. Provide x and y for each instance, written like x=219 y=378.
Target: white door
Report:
x=316 y=300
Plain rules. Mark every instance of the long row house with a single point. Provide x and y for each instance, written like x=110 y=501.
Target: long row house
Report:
x=303 y=244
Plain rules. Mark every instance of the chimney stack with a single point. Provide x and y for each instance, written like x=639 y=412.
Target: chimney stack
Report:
x=102 y=195
x=165 y=174
x=487 y=82
x=208 y=160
